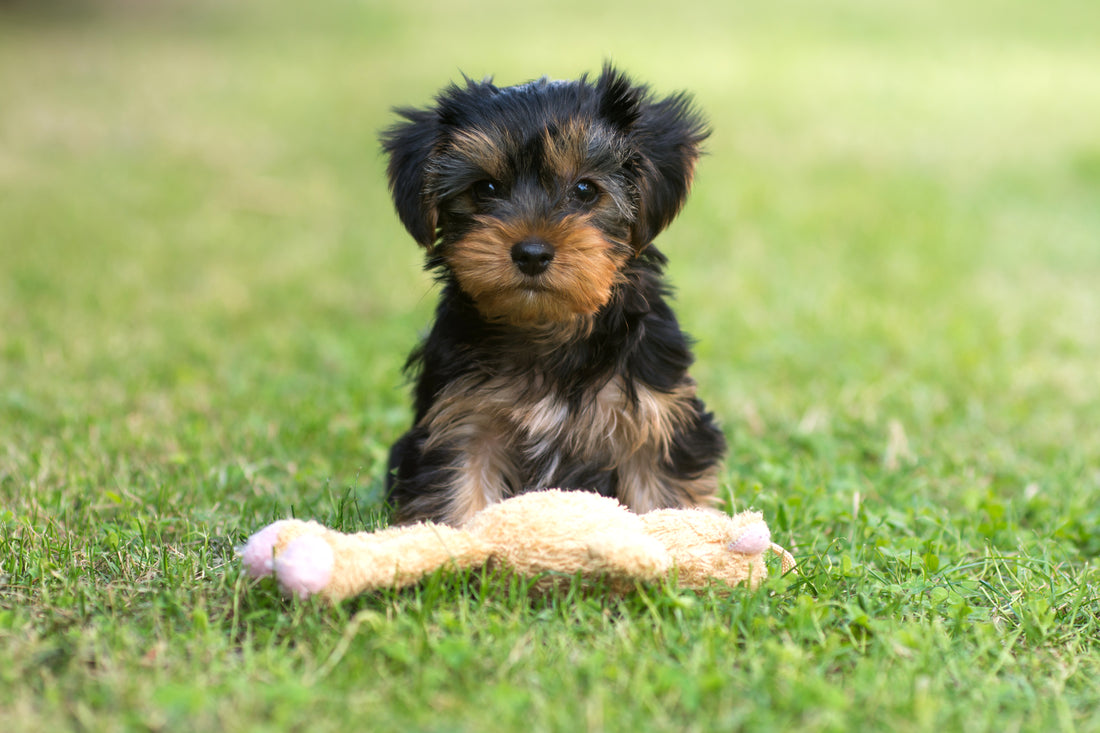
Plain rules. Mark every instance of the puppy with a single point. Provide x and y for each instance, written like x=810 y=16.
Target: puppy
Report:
x=554 y=359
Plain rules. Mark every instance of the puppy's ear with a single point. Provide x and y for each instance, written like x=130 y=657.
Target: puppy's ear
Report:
x=410 y=145
x=620 y=100
x=669 y=135
x=665 y=136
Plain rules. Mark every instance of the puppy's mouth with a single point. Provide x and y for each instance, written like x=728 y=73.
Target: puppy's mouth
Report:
x=534 y=285
x=539 y=292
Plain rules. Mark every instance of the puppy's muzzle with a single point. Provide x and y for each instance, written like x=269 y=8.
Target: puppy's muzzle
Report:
x=532 y=256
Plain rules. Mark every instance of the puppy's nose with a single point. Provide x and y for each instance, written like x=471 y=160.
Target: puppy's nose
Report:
x=532 y=255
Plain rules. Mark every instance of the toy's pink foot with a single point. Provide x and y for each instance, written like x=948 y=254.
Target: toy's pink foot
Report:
x=304 y=567
x=258 y=554
x=753 y=540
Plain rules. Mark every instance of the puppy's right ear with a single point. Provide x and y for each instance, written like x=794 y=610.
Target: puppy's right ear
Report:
x=410 y=145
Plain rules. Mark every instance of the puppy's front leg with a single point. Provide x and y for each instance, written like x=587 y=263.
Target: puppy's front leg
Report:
x=447 y=473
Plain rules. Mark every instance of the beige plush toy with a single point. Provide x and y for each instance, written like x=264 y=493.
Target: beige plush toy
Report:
x=547 y=535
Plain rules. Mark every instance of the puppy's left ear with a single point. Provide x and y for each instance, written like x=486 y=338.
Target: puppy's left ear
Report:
x=669 y=135
x=410 y=145
x=666 y=136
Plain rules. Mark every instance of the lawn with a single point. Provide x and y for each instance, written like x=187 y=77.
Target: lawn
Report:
x=890 y=262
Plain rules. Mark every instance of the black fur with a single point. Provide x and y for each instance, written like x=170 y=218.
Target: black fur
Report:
x=636 y=337
x=642 y=151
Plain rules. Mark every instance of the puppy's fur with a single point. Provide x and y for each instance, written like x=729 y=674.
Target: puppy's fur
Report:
x=554 y=359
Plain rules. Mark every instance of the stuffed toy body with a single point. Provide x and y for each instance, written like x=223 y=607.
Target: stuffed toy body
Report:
x=546 y=535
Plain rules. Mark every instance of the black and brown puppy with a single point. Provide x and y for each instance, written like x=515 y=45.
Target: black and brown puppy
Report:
x=554 y=359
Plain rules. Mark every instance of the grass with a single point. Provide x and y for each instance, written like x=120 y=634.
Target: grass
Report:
x=890 y=261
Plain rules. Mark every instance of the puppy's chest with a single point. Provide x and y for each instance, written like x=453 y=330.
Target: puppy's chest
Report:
x=607 y=425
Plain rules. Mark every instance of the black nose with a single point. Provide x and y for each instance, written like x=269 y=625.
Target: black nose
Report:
x=532 y=256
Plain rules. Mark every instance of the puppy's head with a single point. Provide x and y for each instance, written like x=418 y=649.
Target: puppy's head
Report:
x=535 y=196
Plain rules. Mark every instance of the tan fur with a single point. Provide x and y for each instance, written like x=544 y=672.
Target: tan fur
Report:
x=483 y=149
x=566 y=149
x=484 y=469
x=578 y=281
x=487 y=420
x=646 y=487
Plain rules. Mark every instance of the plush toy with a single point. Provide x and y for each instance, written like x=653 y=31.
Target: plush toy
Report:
x=547 y=535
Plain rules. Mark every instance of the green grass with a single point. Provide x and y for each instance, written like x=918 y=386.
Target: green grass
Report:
x=891 y=262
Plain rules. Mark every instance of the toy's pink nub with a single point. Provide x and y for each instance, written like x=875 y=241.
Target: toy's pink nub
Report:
x=305 y=566
x=753 y=541
x=258 y=554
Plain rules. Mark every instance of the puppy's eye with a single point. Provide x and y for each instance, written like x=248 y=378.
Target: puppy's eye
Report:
x=585 y=192
x=485 y=190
